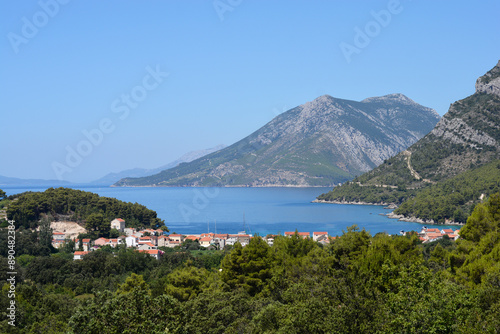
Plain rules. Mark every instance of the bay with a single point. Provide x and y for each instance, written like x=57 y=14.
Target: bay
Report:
x=254 y=210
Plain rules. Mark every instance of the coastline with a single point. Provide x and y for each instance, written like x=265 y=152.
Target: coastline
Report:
x=392 y=215
x=388 y=205
x=223 y=186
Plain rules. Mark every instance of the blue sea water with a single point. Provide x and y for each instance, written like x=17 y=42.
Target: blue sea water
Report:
x=257 y=210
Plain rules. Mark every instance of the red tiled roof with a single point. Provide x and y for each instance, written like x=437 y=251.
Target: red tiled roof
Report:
x=120 y=220
x=320 y=233
x=81 y=253
x=205 y=239
x=433 y=230
x=192 y=237
x=85 y=240
x=151 y=251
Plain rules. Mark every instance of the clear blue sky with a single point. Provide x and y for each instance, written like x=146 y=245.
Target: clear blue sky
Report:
x=232 y=66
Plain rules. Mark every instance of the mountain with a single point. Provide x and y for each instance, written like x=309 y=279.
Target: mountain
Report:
x=14 y=181
x=319 y=143
x=466 y=138
x=111 y=178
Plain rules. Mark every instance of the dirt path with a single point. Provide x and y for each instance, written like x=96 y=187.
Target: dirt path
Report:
x=413 y=172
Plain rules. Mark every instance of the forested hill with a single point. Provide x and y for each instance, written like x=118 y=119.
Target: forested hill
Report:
x=467 y=137
x=76 y=205
x=319 y=143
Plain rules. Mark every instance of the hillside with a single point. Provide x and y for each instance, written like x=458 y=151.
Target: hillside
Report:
x=319 y=143
x=28 y=209
x=466 y=138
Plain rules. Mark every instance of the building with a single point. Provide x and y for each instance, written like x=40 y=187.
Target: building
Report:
x=86 y=244
x=176 y=237
x=206 y=241
x=78 y=255
x=146 y=246
x=58 y=236
x=153 y=252
x=303 y=235
x=318 y=235
x=131 y=241
x=118 y=224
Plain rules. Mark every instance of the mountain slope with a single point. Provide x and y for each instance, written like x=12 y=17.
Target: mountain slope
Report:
x=142 y=172
x=467 y=137
x=319 y=143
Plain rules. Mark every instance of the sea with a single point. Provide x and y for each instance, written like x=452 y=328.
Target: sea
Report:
x=257 y=211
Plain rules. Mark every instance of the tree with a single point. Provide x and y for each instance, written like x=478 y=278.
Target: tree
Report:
x=2 y=194
x=114 y=233
x=97 y=226
x=45 y=233
x=248 y=267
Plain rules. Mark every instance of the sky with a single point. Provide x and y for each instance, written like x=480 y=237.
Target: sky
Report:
x=92 y=87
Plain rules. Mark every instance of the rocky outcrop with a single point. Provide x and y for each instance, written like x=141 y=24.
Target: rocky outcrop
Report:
x=490 y=82
x=458 y=131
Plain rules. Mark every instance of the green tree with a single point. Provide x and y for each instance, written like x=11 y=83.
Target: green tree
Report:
x=248 y=267
x=45 y=233
x=97 y=225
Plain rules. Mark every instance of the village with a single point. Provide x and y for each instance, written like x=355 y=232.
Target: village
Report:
x=150 y=241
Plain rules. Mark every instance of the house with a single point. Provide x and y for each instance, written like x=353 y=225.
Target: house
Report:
x=86 y=244
x=146 y=246
x=78 y=255
x=432 y=236
x=150 y=239
x=100 y=242
x=303 y=235
x=323 y=239
x=58 y=236
x=131 y=241
x=231 y=240
x=118 y=224
x=206 y=241
x=115 y=242
x=153 y=252
x=192 y=237
x=176 y=237
x=58 y=243
x=317 y=235
x=162 y=241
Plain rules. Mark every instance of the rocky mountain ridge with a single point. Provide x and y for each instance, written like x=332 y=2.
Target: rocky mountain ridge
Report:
x=466 y=138
x=320 y=143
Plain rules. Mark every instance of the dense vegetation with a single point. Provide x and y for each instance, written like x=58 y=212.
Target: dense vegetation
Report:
x=357 y=284
x=454 y=198
x=352 y=192
x=76 y=205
